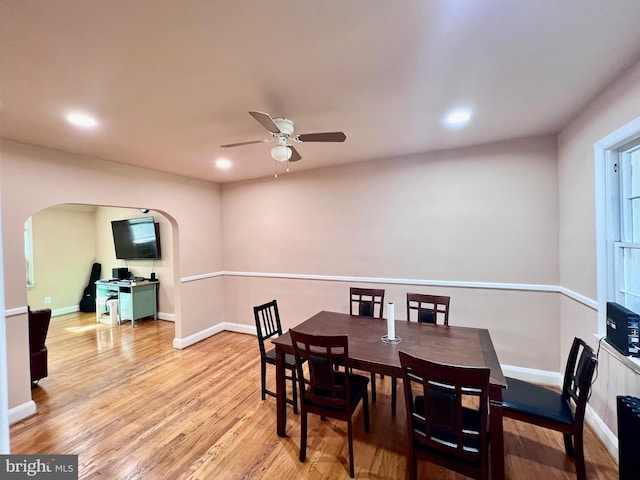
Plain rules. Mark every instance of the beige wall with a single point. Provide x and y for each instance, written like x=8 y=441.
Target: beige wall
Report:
x=482 y=214
x=34 y=178
x=617 y=106
x=64 y=250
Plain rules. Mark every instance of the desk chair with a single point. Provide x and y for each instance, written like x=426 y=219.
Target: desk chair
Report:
x=563 y=412
x=367 y=302
x=268 y=325
x=440 y=428
x=325 y=390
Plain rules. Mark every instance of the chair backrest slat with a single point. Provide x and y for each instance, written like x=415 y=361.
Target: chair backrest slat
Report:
x=578 y=376
x=428 y=308
x=367 y=302
x=447 y=408
x=267 y=320
x=325 y=382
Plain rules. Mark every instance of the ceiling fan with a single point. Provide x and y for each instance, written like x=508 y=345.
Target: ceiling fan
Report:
x=282 y=132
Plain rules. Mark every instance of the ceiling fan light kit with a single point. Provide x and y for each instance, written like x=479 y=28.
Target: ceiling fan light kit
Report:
x=281 y=153
x=282 y=131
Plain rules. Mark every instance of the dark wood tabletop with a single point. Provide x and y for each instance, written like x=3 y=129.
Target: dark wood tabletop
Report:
x=445 y=344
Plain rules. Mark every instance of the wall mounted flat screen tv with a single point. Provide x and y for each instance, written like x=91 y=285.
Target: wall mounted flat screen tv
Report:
x=136 y=239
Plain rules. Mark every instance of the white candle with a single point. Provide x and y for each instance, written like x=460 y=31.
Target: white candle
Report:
x=391 y=322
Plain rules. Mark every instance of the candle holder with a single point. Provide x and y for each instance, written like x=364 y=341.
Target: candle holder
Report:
x=386 y=339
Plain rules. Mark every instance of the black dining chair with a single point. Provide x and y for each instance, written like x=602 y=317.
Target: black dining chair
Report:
x=268 y=325
x=325 y=390
x=367 y=302
x=561 y=411
x=447 y=416
x=428 y=308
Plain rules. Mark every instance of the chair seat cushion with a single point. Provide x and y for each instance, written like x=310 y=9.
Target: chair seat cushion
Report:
x=536 y=401
x=289 y=360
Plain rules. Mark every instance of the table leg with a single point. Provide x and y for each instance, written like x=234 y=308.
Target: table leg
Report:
x=497 y=436
x=281 y=405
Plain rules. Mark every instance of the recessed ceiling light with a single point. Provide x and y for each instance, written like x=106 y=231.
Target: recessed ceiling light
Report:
x=458 y=117
x=223 y=164
x=82 y=120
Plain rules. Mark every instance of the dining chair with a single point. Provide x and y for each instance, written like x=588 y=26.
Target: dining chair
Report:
x=428 y=309
x=447 y=416
x=268 y=325
x=325 y=390
x=368 y=302
x=561 y=411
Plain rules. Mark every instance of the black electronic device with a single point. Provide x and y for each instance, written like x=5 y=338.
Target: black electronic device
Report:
x=622 y=329
x=120 y=273
x=136 y=239
x=628 y=427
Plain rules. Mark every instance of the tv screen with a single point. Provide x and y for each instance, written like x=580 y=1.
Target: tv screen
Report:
x=136 y=239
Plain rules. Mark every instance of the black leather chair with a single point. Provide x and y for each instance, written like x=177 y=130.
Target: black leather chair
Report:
x=325 y=390
x=561 y=411
x=38 y=328
x=268 y=325
x=447 y=416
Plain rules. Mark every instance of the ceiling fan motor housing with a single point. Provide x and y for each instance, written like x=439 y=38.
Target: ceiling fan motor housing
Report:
x=285 y=125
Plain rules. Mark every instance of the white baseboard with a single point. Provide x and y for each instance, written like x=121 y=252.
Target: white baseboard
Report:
x=603 y=432
x=239 y=328
x=22 y=411
x=543 y=377
x=181 y=343
x=63 y=311
x=167 y=316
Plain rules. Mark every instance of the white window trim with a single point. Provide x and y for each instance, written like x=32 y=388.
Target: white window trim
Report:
x=607 y=216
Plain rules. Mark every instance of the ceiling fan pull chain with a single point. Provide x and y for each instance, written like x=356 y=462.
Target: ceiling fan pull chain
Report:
x=275 y=169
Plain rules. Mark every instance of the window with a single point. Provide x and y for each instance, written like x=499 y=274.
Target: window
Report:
x=626 y=260
x=28 y=252
x=617 y=191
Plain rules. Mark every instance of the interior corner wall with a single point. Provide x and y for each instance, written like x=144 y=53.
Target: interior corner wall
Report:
x=64 y=248
x=480 y=215
x=33 y=178
x=616 y=106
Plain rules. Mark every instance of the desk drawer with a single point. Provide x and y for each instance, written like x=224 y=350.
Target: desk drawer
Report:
x=126 y=305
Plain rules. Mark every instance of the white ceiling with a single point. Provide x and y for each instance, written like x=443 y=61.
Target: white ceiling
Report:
x=170 y=81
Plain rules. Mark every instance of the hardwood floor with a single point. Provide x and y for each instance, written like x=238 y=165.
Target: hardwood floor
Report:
x=133 y=407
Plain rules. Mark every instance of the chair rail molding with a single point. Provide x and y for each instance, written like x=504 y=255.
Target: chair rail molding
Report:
x=530 y=287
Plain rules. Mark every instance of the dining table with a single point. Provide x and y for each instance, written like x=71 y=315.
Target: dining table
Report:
x=450 y=344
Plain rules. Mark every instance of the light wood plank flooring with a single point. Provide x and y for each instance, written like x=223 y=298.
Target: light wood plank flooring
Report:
x=133 y=407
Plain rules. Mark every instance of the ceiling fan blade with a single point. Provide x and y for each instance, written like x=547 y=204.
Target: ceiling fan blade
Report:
x=266 y=121
x=243 y=143
x=322 y=137
x=295 y=156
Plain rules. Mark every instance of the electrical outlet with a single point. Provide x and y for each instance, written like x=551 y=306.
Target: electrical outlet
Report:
x=47 y=300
